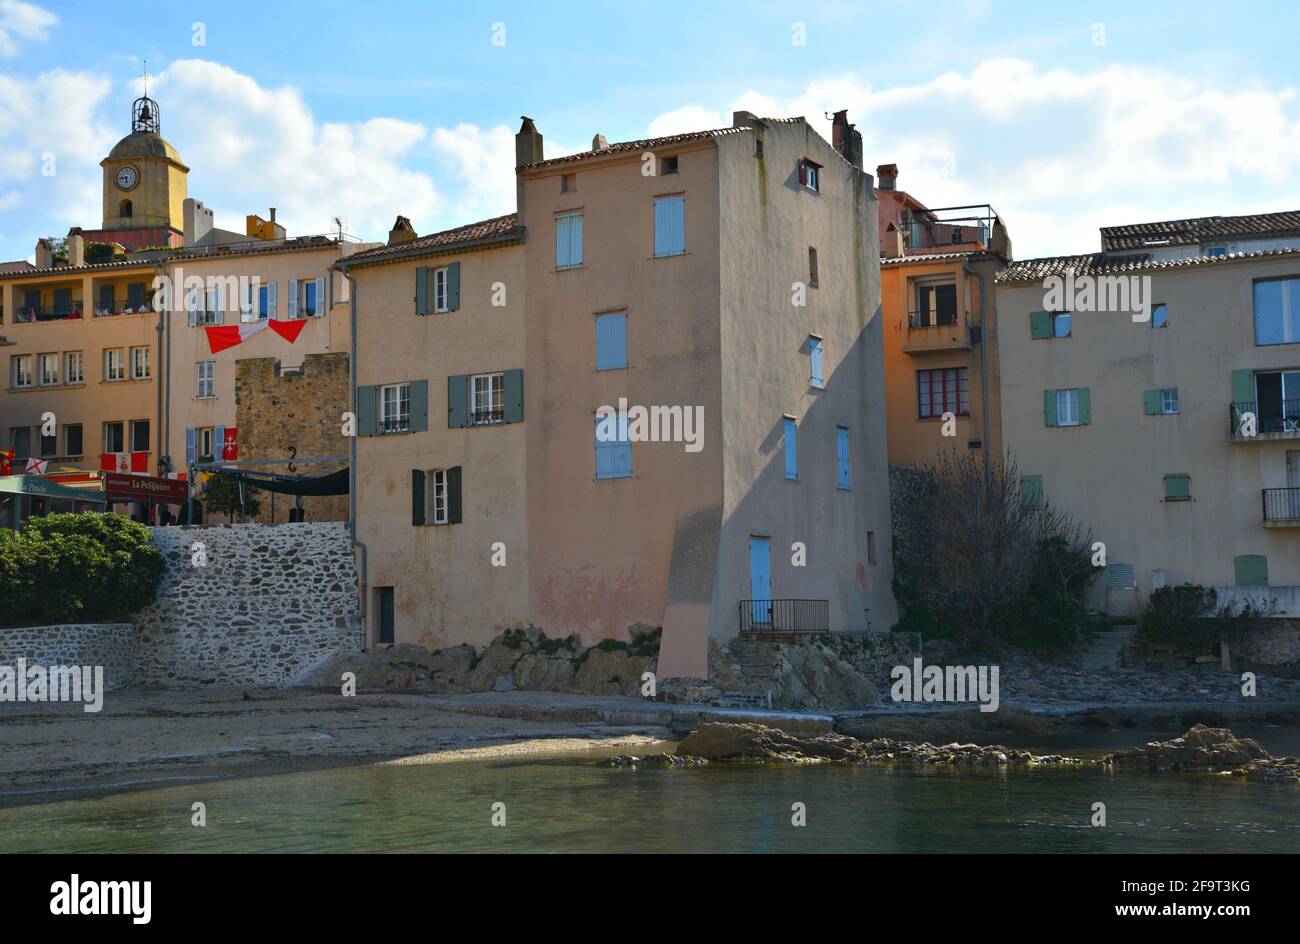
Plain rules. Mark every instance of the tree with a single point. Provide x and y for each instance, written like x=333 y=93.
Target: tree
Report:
x=222 y=496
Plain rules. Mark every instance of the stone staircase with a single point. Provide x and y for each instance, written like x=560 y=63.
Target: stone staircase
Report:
x=1104 y=650
x=758 y=660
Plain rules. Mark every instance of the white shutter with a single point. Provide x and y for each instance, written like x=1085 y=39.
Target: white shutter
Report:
x=320 y=297
x=270 y=299
x=293 y=299
x=221 y=302
x=245 y=291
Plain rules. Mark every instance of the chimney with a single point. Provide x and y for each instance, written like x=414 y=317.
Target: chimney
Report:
x=402 y=232
x=847 y=139
x=44 y=253
x=893 y=245
x=743 y=119
x=272 y=214
x=528 y=150
x=887 y=175
x=599 y=143
x=76 y=249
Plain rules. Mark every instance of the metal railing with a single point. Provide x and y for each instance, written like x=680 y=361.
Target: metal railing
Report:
x=1271 y=416
x=123 y=307
x=785 y=616
x=933 y=319
x=1281 y=504
x=26 y=314
x=396 y=424
x=487 y=417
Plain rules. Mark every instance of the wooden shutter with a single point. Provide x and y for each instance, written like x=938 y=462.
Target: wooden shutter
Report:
x=803 y=173
x=1049 y=407
x=320 y=297
x=1031 y=490
x=191 y=437
x=457 y=401
x=218 y=443
x=1243 y=390
x=453 y=495
x=670 y=239
x=1151 y=402
x=1178 y=487
x=419 y=406
x=1251 y=570
x=293 y=298
x=367 y=424
x=270 y=300
x=135 y=295
x=513 y=395
x=417 y=496
x=791 y=449
x=1040 y=325
x=453 y=287
x=1085 y=406
x=421 y=290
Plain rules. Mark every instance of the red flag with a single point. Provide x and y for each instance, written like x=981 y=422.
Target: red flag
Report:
x=108 y=462
x=140 y=463
x=6 y=462
x=289 y=330
x=221 y=337
x=230 y=445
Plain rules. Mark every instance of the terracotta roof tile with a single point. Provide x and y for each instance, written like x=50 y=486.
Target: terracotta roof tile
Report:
x=501 y=228
x=1100 y=263
x=1201 y=229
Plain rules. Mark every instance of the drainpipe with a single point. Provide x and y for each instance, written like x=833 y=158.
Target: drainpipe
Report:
x=160 y=328
x=984 y=376
x=352 y=454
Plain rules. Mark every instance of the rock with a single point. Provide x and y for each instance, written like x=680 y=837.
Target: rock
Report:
x=1201 y=748
x=504 y=683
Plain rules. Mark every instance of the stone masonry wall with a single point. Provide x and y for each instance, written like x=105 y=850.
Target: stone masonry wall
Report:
x=111 y=645
x=262 y=606
x=282 y=415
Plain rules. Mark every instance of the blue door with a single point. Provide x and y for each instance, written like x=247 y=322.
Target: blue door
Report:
x=760 y=580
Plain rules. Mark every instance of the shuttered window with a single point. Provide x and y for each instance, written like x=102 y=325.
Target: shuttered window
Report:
x=1121 y=577
x=611 y=341
x=1031 y=490
x=613 y=448
x=815 y=362
x=842 y=458
x=791 y=441
x=670 y=226
x=568 y=240
x=1251 y=570
x=942 y=391
x=1178 y=487
x=1071 y=407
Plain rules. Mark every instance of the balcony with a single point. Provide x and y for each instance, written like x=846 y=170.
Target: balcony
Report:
x=27 y=314
x=1273 y=419
x=929 y=331
x=775 y=618
x=1281 y=507
x=112 y=308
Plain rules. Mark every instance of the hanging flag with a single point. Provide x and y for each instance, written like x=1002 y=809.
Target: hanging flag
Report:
x=289 y=330
x=35 y=466
x=230 y=444
x=6 y=462
x=128 y=463
x=221 y=337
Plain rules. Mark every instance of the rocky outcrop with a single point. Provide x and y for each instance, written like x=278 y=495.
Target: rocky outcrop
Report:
x=1208 y=749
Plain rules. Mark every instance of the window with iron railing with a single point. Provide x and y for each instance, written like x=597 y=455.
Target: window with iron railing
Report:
x=395 y=408
x=488 y=399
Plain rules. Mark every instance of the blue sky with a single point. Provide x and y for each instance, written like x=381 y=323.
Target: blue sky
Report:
x=1064 y=119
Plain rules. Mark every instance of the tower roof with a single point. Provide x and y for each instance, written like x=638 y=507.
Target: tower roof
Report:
x=145 y=144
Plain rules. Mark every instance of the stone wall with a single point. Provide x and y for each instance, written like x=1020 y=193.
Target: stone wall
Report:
x=260 y=606
x=280 y=415
x=111 y=645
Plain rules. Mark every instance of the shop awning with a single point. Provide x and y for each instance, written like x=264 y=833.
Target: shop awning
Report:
x=36 y=486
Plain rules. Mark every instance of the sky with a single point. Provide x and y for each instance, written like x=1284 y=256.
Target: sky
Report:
x=1064 y=117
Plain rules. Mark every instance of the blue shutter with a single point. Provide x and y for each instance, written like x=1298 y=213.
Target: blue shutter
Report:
x=614 y=457
x=419 y=405
x=421 y=290
x=815 y=359
x=457 y=401
x=611 y=342
x=568 y=240
x=191 y=437
x=791 y=447
x=367 y=424
x=670 y=226
x=512 y=384
x=841 y=457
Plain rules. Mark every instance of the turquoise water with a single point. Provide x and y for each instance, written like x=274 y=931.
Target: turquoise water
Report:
x=570 y=805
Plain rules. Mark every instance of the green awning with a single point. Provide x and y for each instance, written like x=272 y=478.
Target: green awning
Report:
x=34 y=486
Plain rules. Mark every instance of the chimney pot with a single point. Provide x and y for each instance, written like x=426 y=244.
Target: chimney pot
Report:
x=272 y=214
x=743 y=119
x=599 y=143
x=888 y=176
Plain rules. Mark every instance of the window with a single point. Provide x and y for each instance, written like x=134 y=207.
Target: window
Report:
x=812 y=267
x=205 y=443
x=139 y=435
x=942 y=391
x=437 y=480
x=75 y=365
x=435 y=496
x=613 y=447
x=487 y=399
x=935 y=302
x=310 y=300
x=213 y=304
x=668 y=165
x=1031 y=490
x=114 y=364
x=568 y=183
x=139 y=363
x=266 y=301
x=49 y=444
x=568 y=241
x=1216 y=251
x=135 y=297
x=47 y=368
x=22 y=370
x=1045 y=325
x=1251 y=570
x=809 y=174
x=1071 y=407
x=815 y=362
x=20 y=440
x=611 y=341
x=1169 y=400
x=1159 y=315
x=1061 y=322
x=207 y=373
x=1121 y=577
x=107 y=301
x=670 y=226
x=842 y=458
x=1178 y=487
x=114 y=437
x=72 y=439
x=1274 y=397
x=124 y=209
x=440 y=289
x=791 y=439
x=395 y=408
x=1277 y=311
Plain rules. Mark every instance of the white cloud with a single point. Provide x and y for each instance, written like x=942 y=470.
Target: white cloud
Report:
x=20 y=21
x=688 y=118
x=1059 y=152
x=483 y=160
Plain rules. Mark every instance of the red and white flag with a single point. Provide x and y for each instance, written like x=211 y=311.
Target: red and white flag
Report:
x=128 y=463
x=221 y=337
x=35 y=466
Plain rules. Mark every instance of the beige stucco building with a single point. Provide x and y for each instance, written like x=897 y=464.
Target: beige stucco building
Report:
x=728 y=275
x=1175 y=439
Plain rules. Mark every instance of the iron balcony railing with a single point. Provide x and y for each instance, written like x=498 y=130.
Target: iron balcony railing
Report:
x=933 y=319
x=26 y=314
x=487 y=417
x=396 y=424
x=1281 y=504
x=785 y=616
x=119 y=306
x=1271 y=416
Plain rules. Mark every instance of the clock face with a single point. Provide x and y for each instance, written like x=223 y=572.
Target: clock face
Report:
x=126 y=178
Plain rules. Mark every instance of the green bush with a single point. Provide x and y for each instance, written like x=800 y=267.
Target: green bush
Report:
x=1190 y=614
x=88 y=567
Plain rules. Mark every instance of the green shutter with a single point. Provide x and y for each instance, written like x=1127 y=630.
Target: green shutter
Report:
x=1085 y=406
x=453 y=287
x=421 y=290
x=1252 y=570
x=1049 y=407
x=366 y=419
x=1243 y=389
x=417 y=496
x=419 y=406
x=1151 y=402
x=1178 y=487
x=1031 y=490
x=457 y=401
x=1040 y=325
x=513 y=382
x=453 y=495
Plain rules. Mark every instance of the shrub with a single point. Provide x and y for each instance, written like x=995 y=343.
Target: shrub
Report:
x=78 y=567
x=1190 y=614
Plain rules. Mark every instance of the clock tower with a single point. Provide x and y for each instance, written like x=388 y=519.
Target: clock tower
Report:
x=144 y=184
